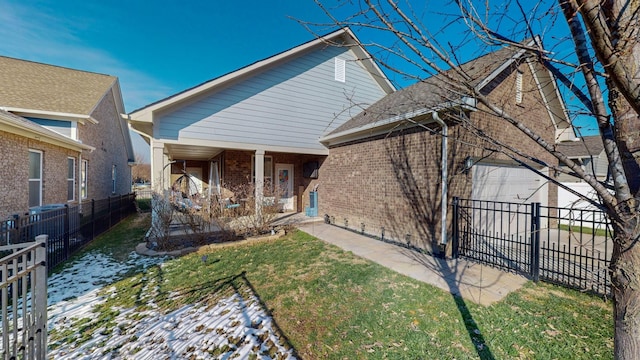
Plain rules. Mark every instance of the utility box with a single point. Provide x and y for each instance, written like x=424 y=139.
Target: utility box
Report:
x=312 y=209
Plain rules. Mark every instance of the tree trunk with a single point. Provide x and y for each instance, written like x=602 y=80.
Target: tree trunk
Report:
x=625 y=278
x=623 y=22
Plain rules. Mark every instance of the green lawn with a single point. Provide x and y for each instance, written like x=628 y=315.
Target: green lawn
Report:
x=331 y=304
x=583 y=229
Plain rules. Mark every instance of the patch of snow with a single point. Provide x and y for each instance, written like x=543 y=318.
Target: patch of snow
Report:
x=236 y=326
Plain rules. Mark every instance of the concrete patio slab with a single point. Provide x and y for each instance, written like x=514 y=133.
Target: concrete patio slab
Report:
x=474 y=282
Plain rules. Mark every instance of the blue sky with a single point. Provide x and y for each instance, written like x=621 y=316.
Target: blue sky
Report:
x=162 y=47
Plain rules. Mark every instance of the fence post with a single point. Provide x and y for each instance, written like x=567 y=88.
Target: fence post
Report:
x=67 y=249
x=93 y=219
x=110 y=214
x=14 y=234
x=535 y=242
x=40 y=304
x=456 y=234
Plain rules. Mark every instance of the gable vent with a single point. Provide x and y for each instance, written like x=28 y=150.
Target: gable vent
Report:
x=519 y=87
x=340 y=70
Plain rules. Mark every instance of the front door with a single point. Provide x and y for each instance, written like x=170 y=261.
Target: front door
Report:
x=284 y=172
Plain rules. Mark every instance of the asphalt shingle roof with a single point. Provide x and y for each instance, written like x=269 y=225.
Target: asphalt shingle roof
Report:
x=586 y=146
x=429 y=92
x=37 y=86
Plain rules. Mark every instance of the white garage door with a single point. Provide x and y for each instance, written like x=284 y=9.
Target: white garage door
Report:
x=507 y=184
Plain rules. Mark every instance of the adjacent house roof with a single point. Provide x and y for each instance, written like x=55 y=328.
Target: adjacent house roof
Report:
x=29 y=86
x=18 y=125
x=582 y=147
x=342 y=37
x=435 y=93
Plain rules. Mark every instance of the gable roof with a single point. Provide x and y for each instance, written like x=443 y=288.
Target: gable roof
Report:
x=33 y=87
x=434 y=94
x=582 y=147
x=342 y=37
x=24 y=127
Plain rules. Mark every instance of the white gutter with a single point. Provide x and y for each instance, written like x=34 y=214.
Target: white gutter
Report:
x=443 y=198
x=366 y=130
x=53 y=115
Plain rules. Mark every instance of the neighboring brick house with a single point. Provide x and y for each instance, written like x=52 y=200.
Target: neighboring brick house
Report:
x=385 y=166
x=588 y=151
x=62 y=135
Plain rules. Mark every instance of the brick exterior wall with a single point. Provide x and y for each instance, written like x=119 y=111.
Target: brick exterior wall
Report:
x=237 y=170
x=15 y=173
x=394 y=181
x=107 y=138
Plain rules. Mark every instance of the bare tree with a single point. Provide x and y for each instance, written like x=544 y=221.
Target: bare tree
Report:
x=592 y=48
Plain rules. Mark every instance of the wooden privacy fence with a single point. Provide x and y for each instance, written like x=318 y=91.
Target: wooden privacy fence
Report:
x=23 y=298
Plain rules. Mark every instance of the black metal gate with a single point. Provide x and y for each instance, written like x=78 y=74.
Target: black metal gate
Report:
x=571 y=247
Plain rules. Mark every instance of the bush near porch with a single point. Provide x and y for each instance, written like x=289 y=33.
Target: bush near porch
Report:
x=182 y=220
x=329 y=303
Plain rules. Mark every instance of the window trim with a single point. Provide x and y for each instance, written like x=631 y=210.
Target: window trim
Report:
x=84 y=186
x=39 y=180
x=114 y=176
x=71 y=179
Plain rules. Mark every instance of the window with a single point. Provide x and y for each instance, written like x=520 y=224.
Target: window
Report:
x=71 y=179
x=268 y=169
x=113 y=179
x=340 y=70
x=84 y=190
x=35 y=178
x=63 y=127
x=518 y=87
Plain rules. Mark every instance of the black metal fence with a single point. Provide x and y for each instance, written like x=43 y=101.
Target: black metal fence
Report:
x=68 y=227
x=566 y=246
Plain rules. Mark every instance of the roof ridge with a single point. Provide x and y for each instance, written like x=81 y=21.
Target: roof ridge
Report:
x=56 y=66
x=237 y=70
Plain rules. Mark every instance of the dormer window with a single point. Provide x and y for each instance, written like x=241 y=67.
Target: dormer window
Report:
x=62 y=127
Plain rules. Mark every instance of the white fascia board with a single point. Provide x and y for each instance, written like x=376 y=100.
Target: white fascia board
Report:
x=229 y=145
x=53 y=115
x=548 y=103
x=369 y=63
x=501 y=68
x=143 y=134
x=370 y=129
x=558 y=97
x=544 y=97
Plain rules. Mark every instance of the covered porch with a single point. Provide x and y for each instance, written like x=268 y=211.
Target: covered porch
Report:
x=195 y=175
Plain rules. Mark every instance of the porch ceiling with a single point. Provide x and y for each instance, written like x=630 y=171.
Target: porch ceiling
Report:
x=191 y=152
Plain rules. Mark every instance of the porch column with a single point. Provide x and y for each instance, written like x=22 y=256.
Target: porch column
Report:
x=159 y=174
x=259 y=183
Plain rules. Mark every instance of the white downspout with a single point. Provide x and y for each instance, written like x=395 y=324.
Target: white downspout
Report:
x=443 y=198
